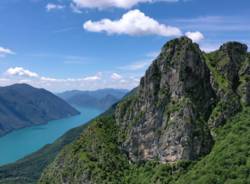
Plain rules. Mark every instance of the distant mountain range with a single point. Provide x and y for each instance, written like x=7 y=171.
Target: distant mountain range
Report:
x=22 y=105
x=101 y=99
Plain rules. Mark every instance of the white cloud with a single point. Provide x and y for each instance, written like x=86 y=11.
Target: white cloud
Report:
x=133 y=22
x=116 y=76
x=48 y=79
x=92 y=78
x=4 y=80
x=51 y=6
x=91 y=82
x=96 y=77
x=195 y=36
x=24 y=73
x=101 y=4
x=19 y=71
x=5 y=51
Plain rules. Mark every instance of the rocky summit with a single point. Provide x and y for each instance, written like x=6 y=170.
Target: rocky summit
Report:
x=167 y=119
x=187 y=122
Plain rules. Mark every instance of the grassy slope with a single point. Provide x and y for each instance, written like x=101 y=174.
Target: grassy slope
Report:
x=102 y=163
x=96 y=155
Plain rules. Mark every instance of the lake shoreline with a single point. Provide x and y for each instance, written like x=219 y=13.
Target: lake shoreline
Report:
x=22 y=142
x=35 y=125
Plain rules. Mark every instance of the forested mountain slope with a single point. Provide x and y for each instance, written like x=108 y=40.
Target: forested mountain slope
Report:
x=22 y=105
x=187 y=122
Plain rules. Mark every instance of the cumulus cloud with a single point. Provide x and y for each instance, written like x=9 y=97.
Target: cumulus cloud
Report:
x=195 y=36
x=19 y=71
x=116 y=76
x=91 y=82
x=51 y=6
x=24 y=73
x=101 y=4
x=5 y=51
x=133 y=22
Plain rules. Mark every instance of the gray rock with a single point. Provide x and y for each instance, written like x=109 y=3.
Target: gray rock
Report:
x=166 y=120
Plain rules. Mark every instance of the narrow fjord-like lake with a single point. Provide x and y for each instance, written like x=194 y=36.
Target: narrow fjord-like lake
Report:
x=23 y=142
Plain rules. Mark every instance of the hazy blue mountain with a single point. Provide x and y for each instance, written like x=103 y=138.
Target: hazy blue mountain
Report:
x=101 y=99
x=22 y=105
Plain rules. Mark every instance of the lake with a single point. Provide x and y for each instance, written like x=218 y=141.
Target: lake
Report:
x=23 y=142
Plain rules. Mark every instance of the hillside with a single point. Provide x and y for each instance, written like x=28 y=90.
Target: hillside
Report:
x=187 y=122
x=184 y=124
x=22 y=105
x=101 y=99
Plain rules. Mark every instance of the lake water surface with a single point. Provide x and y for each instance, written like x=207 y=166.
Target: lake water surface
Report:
x=20 y=143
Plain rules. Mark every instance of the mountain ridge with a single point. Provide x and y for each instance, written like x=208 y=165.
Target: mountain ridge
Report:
x=176 y=118
x=22 y=105
x=183 y=124
x=101 y=99
x=202 y=94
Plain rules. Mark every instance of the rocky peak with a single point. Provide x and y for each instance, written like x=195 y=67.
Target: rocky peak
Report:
x=228 y=61
x=170 y=48
x=234 y=48
x=230 y=68
x=165 y=120
x=179 y=70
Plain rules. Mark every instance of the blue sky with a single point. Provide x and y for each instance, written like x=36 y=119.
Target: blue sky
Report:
x=65 y=44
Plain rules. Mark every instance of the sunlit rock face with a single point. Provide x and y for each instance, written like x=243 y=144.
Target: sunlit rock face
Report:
x=167 y=119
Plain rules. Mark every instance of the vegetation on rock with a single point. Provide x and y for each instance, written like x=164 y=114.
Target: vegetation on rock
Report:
x=187 y=122
x=183 y=124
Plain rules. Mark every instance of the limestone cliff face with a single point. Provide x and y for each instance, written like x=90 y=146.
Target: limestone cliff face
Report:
x=166 y=120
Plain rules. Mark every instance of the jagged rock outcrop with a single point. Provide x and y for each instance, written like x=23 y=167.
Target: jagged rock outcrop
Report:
x=244 y=86
x=229 y=60
x=229 y=67
x=166 y=120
